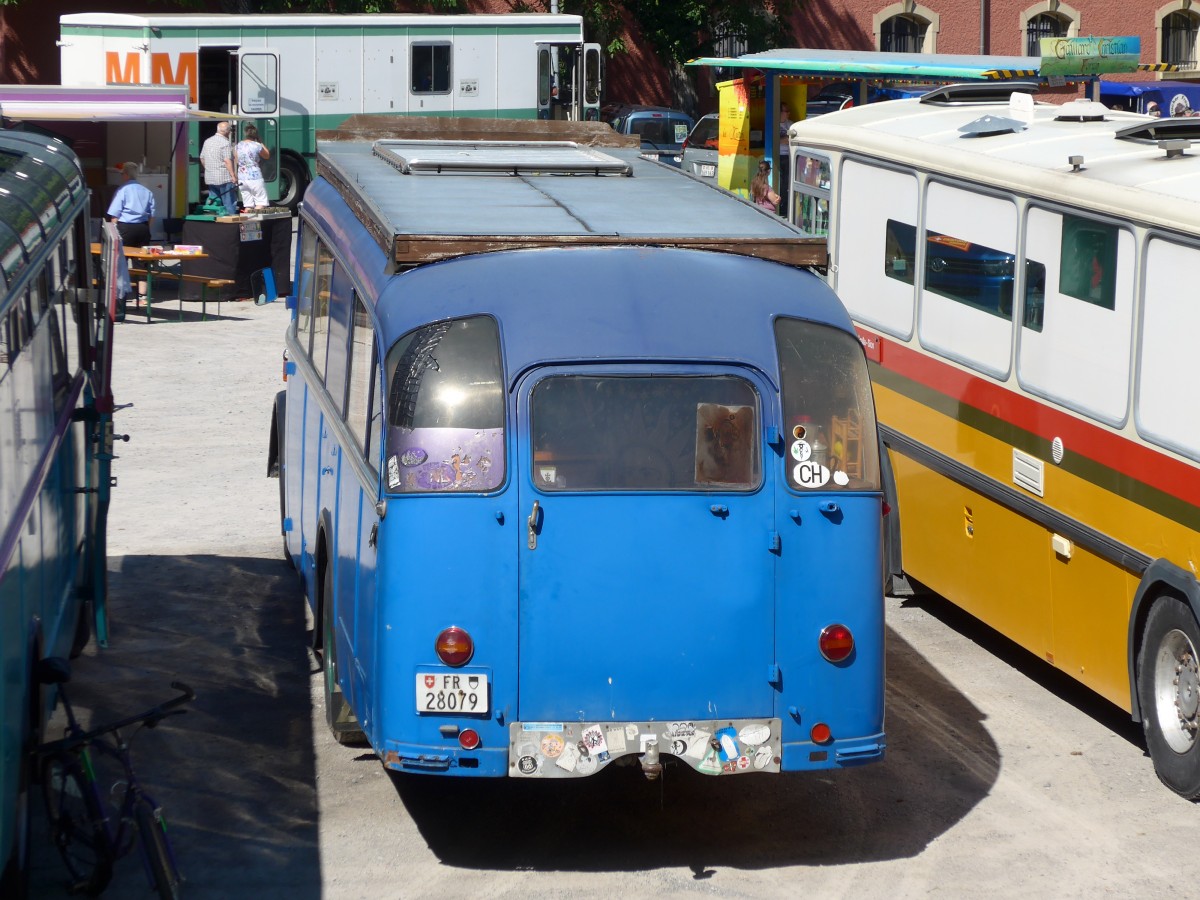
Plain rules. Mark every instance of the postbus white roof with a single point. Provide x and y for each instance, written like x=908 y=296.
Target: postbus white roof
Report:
x=1114 y=176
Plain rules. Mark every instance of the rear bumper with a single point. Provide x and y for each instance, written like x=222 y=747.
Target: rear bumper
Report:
x=800 y=756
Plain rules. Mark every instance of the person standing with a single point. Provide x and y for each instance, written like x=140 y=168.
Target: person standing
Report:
x=132 y=208
x=760 y=188
x=219 y=174
x=250 y=179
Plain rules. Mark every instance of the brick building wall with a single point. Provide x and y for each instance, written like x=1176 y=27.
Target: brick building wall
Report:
x=29 y=30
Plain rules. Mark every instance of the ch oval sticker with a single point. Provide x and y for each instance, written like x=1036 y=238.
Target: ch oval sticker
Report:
x=810 y=475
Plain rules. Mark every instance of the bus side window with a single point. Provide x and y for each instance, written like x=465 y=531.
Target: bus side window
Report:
x=445 y=408
x=323 y=283
x=306 y=281
x=362 y=367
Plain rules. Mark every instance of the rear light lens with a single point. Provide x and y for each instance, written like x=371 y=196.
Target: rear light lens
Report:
x=836 y=643
x=468 y=739
x=820 y=733
x=454 y=646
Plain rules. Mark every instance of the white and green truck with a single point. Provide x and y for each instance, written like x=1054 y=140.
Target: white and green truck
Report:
x=296 y=74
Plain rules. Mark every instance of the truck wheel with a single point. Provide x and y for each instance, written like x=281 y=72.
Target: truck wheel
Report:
x=293 y=179
x=1168 y=682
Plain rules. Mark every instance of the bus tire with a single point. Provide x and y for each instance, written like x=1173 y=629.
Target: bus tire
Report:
x=1168 y=682
x=293 y=181
x=338 y=714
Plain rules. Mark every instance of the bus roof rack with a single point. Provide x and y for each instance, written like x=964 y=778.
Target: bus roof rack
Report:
x=978 y=92
x=1154 y=130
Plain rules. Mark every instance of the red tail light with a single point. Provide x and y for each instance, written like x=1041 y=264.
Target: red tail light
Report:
x=820 y=733
x=468 y=739
x=454 y=646
x=836 y=643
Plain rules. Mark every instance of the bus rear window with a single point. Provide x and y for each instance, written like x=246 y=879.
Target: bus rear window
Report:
x=445 y=408
x=640 y=433
x=827 y=409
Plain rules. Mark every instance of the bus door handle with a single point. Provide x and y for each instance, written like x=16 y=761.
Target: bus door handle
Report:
x=534 y=521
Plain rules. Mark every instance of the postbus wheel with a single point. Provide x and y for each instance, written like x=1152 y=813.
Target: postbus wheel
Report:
x=293 y=180
x=338 y=714
x=1168 y=676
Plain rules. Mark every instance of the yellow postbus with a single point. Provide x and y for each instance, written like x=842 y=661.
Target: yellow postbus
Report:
x=1025 y=277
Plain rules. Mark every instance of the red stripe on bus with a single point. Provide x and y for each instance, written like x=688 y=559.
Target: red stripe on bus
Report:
x=1119 y=453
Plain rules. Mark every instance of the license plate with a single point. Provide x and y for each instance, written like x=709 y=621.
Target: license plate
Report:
x=452 y=692
x=707 y=171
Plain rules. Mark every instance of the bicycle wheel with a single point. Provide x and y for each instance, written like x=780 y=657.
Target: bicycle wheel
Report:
x=156 y=850
x=77 y=824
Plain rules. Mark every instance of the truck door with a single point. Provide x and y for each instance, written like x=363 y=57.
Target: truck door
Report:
x=569 y=81
x=646 y=576
x=258 y=100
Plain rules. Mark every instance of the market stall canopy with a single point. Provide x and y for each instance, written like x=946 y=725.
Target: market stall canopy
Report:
x=114 y=103
x=870 y=63
x=885 y=64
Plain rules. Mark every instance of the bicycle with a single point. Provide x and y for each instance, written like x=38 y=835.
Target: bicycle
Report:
x=91 y=833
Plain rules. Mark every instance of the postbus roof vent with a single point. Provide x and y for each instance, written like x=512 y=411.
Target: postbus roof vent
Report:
x=1154 y=131
x=417 y=157
x=978 y=92
x=1081 y=111
x=989 y=125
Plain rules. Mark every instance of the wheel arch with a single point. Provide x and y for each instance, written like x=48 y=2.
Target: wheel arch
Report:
x=278 y=438
x=1162 y=578
x=323 y=559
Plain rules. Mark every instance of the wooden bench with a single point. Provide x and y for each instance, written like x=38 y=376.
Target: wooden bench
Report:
x=203 y=280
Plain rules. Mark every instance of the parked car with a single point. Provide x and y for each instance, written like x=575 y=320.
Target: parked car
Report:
x=700 y=149
x=839 y=95
x=662 y=130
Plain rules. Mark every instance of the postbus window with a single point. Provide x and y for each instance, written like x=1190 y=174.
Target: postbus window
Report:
x=431 y=68
x=828 y=411
x=445 y=408
x=362 y=365
x=642 y=433
x=969 y=272
x=871 y=197
x=1077 y=350
x=811 y=190
x=322 y=288
x=1035 y=294
x=900 y=251
x=1087 y=267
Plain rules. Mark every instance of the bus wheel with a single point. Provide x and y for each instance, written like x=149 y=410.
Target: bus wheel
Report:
x=293 y=179
x=338 y=714
x=1168 y=675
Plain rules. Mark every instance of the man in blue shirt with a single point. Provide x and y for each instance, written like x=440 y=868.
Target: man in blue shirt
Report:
x=132 y=208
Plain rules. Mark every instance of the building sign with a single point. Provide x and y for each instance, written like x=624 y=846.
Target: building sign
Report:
x=1090 y=55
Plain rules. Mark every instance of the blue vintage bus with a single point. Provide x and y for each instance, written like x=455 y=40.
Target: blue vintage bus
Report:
x=570 y=485
x=55 y=442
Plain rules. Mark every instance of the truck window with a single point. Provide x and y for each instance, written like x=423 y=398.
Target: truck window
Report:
x=445 y=408
x=431 y=68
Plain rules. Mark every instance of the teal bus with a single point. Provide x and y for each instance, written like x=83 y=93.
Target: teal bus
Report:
x=55 y=451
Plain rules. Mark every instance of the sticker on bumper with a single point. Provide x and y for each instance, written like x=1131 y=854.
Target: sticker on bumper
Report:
x=576 y=749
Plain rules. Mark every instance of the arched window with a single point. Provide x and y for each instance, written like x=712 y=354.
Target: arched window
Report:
x=1179 y=31
x=1043 y=25
x=903 y=33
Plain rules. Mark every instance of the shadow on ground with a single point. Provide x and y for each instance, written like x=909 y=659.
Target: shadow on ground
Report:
x=236 y=775
x=941 y=762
